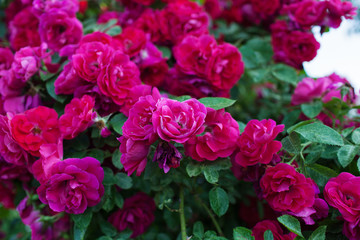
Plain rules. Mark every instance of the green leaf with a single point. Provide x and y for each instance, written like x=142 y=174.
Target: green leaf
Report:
x=116 y=159
x=347 y=131
x=355 y=137
x=291 y=223
x=123 y=180
x=166 y=52
x=182 y=98
x=108 y=176
x=241 y=233
x=346 y=154
x=320 y=133
x=82 y=220
x=319 y=234
x=107 y=25
x=198 y=230
x=106 y=227
x=116 y=30
x=268 y=235
x=313 y=109
x=300 y=124
x=97 y=154
x=117 y=122
x=119 y=200
x=79 y=233
x=46 y=76
x=217 y=102
x=193 y=170
x=219 y=201
x=320 y=174
x=358 y=164
x=104 y=238
x=211 y=175
x=285 y=73
x=50 y=88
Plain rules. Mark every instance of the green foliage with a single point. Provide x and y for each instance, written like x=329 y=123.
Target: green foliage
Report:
x=291 y=223
x=216 y=103
x=219 y=201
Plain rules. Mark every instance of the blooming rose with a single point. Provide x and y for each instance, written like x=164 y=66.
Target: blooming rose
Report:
x=225 y=66
x=118 y=77
x=261 y=227
x=6 y=58
x=78 y=116
x=342 y=193
x=88 y=59
x=10 y=151
x=35 y=127
x=149 y=23
x=134 y=155
x=132 y=40
x=68 y=81
x=137 y=214
x=10 y=86
x=71 y=7
x=24 y=30
x=257 y=143
x=26 y=63
x=74 y=185
x=58 y=29
x=308 y=89
x=178 y=121
x=139 y=124
x=265 y=7
x=219 y=140
x=352 y=230
x=21 y=103
x=287 y=190
x=193 y=54
x=144 y=2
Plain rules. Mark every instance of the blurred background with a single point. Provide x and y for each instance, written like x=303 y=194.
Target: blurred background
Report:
x=339 y=52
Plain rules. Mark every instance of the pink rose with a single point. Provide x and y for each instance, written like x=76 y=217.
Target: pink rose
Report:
x=278 y=234
x=178 y=121
x=10 y=86
x=139 y=124
x=6 y=58
x=26 y=63
x=10 y=151
x=24 y=30
x=265 y=7
x=193 y=54
x=219 y=140
x=225 y=66
x=90 y=58
x=351 y=230
x=342 y=193
x=134 y=155
x=309 y=89
x=132 y=40
x=78 y=116
x=22 y=103
x=58 y=29
x=144 y=2
x=257 y=144
x=118 y=77
x=71 y=7
x=149 y=23
x=137 y=214
x=68 y=81
x=287 y=190
x=74 y=185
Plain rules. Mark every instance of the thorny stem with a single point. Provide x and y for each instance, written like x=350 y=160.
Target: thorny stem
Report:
x=211 y=215
x=182 y=215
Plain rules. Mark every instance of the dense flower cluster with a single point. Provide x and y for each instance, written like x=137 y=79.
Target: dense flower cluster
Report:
x=90 y=95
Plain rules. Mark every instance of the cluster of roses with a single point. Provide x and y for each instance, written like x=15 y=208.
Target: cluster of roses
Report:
x=325 y=89
x=292 y=40
x=206 y=134
x=285 y=190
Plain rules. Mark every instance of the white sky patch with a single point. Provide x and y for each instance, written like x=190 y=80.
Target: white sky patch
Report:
x=339 y=53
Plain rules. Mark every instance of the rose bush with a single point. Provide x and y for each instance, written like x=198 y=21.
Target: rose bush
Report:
x=174 y=119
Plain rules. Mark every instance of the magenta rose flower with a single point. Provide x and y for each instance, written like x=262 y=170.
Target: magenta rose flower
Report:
x=178 y=121
x=6 y=58
x=132 y=40
x=79 y=115
x=118 y=77
x=10 y=86
x=89 y=59
x=261 y=227
x=68 y=81
x=265 y=7
x=134 y=155
x=58 y=29
x=351 y=230
x=10 y=151
x=193 y=54
x=136 y=214
x=287 y=190
x=342 y=193
x=139 y=124
x=74 y=185
x=71 y=7
x=167 y=155
x=257 y=144
x=219 y=140
x=26 y=63
x=225 y=66
x=21 y=103
x=309 y=89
